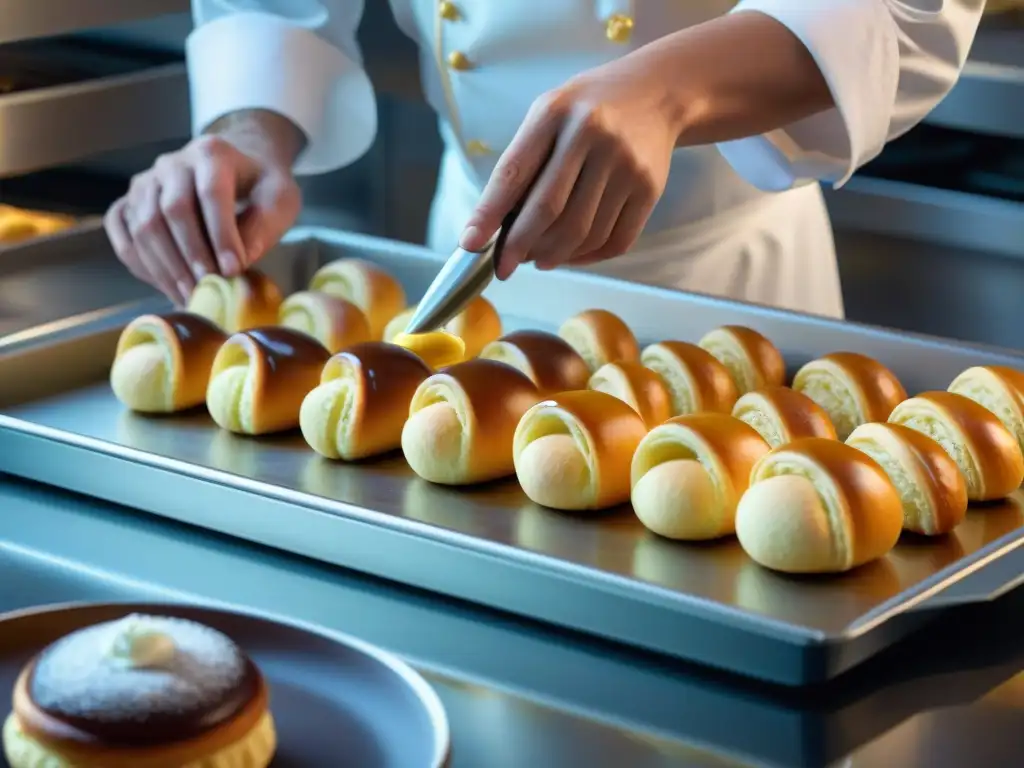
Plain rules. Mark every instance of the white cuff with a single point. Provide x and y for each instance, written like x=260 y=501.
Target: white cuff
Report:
x=855 y=44
x=260 y=61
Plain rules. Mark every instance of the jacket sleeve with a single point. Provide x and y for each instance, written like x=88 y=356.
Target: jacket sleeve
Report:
x=888 y=63
x=298 y=58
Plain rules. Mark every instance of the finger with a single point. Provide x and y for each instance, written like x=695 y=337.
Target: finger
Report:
x=627 y=230
x=155 y=245
x=564 y=238
x=546 y=201
x=180 y=209
x=220 y=170
x=121 y=240
x=616 y=195
x=274 y=206
x=512 y=176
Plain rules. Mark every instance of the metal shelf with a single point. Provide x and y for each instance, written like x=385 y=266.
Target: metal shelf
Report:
x=989 y=98
x=64 y=123
x=28 y=19
x=927 y=214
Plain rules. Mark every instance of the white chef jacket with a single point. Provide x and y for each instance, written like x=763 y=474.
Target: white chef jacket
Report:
x=743 y=219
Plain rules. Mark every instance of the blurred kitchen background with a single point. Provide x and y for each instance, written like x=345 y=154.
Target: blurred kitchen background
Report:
x=930 y=236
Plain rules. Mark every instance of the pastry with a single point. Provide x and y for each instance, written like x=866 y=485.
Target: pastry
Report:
x=572 y=452
x=477 y=325
x=436 y=348
x=818 y=506
x=141 y=692
x=335 y=323
x=360 y=406
x=260 y=378
x=600 y=337
x=696 y=381
x=983 y=448
x=367 y=285
x=998 y=388
x=689 y=473
x=18 y=224
x=753 y=360
x=782 y=415
x=249 y=300
x=550 y=362
x=853 y=389
x=163 y=362
x=931 y=486
x=461 y=422
x=640 y=388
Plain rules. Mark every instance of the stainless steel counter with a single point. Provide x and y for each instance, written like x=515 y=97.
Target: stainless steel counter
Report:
x=518 y=694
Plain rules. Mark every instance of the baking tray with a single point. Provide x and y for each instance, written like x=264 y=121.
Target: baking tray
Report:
x=601 y=574
x=504 y=681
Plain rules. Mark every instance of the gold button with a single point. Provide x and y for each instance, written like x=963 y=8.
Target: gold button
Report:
x=457 y=60
x=619 y=28
x=477 y=148
x=449 y=11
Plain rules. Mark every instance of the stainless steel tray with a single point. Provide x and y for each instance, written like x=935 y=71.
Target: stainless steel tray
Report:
x=603 y=575
x=584 y=703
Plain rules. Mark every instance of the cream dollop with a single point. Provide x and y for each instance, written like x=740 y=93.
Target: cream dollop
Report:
x=138 y=645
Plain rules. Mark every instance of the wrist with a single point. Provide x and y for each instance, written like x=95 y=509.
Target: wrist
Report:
x=679 y=100
x=266 y=136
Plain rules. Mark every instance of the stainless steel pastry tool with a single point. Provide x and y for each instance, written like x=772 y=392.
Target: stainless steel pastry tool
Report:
x=462 y=278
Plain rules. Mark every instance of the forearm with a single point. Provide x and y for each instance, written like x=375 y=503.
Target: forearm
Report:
x=736 y=76
x=262 y=134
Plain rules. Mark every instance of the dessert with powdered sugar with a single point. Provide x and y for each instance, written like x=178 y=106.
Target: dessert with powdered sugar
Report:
x=140 y=692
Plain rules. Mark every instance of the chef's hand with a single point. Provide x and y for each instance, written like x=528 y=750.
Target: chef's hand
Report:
x=597 y=153
x=180 y=220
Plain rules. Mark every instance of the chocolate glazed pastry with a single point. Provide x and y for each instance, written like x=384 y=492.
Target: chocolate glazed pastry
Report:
x=260 y=377
x=142 y=691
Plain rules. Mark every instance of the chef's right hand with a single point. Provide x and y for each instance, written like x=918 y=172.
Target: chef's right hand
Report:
x=180 y=219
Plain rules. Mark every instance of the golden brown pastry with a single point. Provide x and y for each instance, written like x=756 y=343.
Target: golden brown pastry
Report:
x=853 y=389
x=931 y=486
x=572 y=451
x=601 y=338
x=688 y=475
x=477 y=325
x=696 y=381
x=550 y=362
x=998 y=388
x=335 y=323
x=141 y=692
x=361 y=404
x=818 y=506
x=367 y=285
x=782 y=415
x=753 y=361
x=162 y=363
x=462 y=420
x=249 y=300
x=260 y=378
x=18 y=224
x=640 y=388
x=437 y=349
x=984 y=450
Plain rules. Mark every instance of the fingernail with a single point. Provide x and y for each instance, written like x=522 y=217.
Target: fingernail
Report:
x=469 y=237
x=229 y=263
x=199 y=271
x=184 y=290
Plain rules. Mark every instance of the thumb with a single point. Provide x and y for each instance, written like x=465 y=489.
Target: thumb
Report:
x=274 y=204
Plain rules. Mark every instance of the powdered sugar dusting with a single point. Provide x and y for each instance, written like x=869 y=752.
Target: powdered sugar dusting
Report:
x=80 y=676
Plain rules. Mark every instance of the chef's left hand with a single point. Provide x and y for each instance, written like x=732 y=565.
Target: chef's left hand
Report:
x=592 y=159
